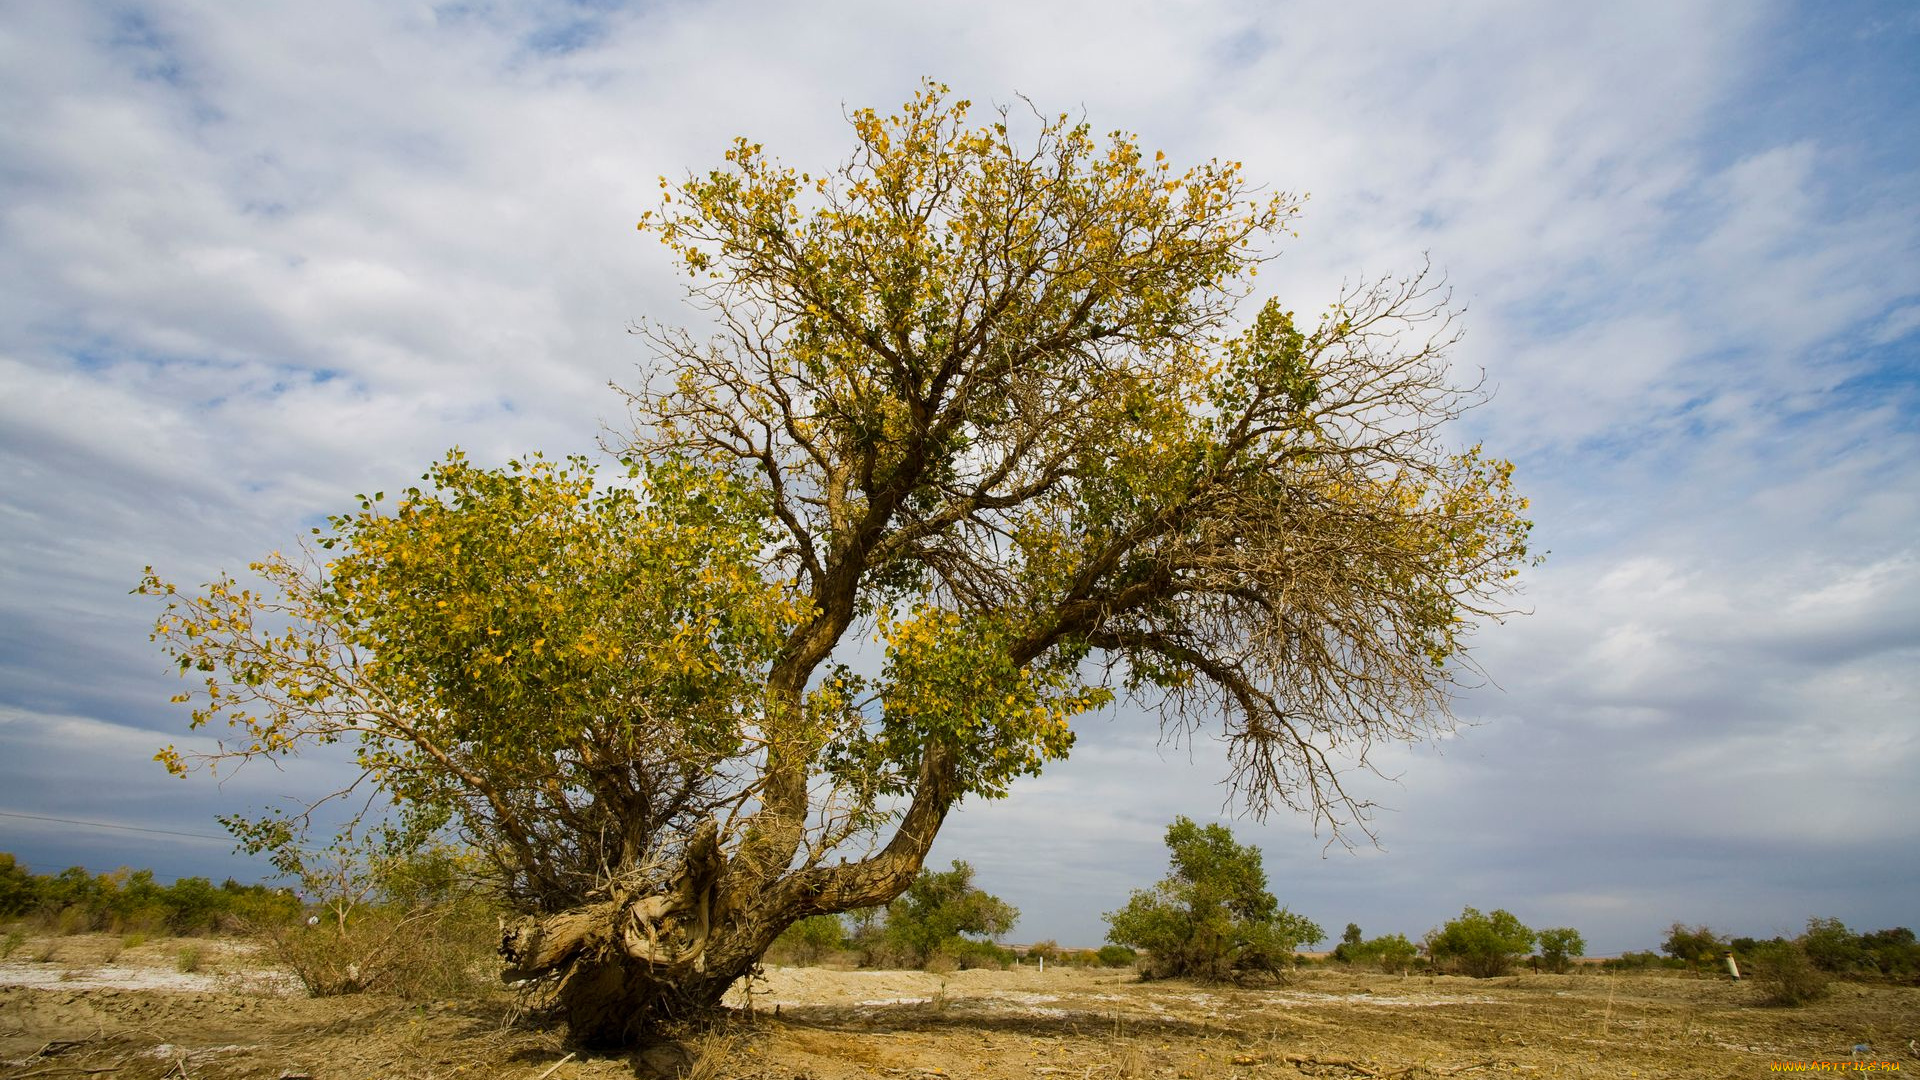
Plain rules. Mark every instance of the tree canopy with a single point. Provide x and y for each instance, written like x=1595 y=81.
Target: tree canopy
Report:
x=979 y=393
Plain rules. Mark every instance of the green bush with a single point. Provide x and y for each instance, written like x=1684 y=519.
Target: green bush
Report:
x=1116 y=956
x=967 y=954
x=1786 y=975
x=1391 y=953
x=1639 y=961
x=19 y=890
x=809 y=940
x=1479 y=945
x=1895 y=953
x=1696 y=947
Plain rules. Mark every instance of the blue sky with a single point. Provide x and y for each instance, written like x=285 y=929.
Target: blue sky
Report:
x=254 y=260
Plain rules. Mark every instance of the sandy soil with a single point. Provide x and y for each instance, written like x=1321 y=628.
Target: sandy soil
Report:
x=77 y=1013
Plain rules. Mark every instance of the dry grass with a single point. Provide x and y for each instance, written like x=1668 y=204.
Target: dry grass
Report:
x=987 y=1025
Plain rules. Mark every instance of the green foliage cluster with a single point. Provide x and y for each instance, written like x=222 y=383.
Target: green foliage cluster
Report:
x=1480 y=945
x=131 y=901
x=1212 y=916
x=1391 y=953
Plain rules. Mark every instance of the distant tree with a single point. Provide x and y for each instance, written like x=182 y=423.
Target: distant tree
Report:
x=1349 y=940
x=1834 y=948
x=1559 y=945
x=1481 y=945
x=1212 y=916
x=1895 y=953
x=812 y=938
x=1698 y=946
x=940 y=909
x=19 y=891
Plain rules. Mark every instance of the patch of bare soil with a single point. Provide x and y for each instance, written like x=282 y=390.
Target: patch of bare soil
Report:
x=819 y=1024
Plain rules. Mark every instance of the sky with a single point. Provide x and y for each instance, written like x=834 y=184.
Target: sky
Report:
x=257 y=258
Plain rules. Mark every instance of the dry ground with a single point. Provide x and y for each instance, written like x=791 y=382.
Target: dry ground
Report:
x=90 y=1008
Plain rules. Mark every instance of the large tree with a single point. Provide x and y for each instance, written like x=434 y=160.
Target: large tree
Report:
x=976 y=395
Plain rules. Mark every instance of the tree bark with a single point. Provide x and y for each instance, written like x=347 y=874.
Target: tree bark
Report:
x=632 y=964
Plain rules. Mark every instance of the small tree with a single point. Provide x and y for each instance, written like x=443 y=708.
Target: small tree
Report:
x=1558 y=946
x=939 y=910
x=1481 y=945
x=1350 y=940
x=1212 y=916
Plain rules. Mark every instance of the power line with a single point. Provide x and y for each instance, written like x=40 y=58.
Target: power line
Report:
x=107 y=825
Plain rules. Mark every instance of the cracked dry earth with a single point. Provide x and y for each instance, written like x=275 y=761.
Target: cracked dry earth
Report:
x=77 y=1014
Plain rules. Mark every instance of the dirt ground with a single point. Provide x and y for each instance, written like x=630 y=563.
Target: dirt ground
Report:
x=84 y=1006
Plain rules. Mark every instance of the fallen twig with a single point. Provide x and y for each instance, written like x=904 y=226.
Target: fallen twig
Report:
x=555 y=1067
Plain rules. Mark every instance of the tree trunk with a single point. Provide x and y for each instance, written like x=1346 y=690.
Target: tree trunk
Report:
x=619 y=987
x=634 y=963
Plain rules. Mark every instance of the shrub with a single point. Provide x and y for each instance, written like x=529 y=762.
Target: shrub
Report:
x=1391 y=953
x=1558 y=946
x=1481 y=945
x=1116 y=956
x=190 y=959
x=428 y=953
x=1639 y=961
x=1786 y=975
x=968 y=955
x=1696 y=946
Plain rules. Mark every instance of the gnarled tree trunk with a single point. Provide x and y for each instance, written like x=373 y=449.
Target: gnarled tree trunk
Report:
x=632 y=963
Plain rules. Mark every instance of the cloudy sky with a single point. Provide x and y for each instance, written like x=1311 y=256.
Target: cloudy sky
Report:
x=255 y=258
